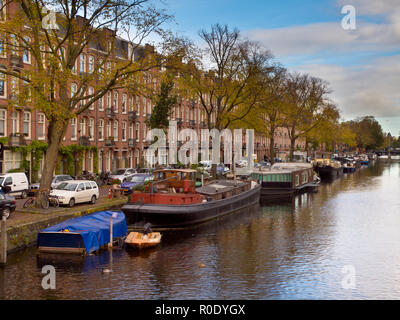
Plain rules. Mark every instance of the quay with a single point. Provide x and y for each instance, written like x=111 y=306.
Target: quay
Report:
x=25 y=224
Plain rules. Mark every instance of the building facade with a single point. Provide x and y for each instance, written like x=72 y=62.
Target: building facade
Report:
x=114 y=127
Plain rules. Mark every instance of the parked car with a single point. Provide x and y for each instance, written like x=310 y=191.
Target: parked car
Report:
x=222 y=169
x=121 y=174
x=57 y=179
x=14 y=184
x=7 y=205
x=77 y=191
x=137 y=179
x=262 y=164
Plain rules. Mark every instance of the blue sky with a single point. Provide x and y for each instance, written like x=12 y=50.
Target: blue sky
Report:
x=362 y=65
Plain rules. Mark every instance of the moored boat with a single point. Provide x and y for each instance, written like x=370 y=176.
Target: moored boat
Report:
x=172 y=201
x=140 y=240
x=285 y=179
x=82 y=235
x=327 y=168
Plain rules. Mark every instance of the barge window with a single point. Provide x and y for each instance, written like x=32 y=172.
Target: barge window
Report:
x=296 y=180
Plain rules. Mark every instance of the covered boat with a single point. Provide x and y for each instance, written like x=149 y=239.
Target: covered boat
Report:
x=82 y=235
x=327 y=168
x=172 y=201
x=285 y=179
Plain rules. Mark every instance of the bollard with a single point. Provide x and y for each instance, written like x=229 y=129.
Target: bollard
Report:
x=3 y=242
x=111 y=234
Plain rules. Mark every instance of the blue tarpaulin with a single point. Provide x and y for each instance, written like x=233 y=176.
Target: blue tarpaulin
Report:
x=91 y=231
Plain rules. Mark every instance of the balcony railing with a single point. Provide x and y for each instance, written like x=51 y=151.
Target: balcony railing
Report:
x=16 y=61
x=110 y=112
x=192 y=123
x=132 y=116
x=131 y=143
x=84 y=141
x=203 y=125
x=16 y=140
x=109 y=142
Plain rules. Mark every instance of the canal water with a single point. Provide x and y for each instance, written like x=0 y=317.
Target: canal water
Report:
x=340 y=243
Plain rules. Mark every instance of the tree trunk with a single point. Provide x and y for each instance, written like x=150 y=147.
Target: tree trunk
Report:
x=55 y=135
x=292 y=144
x=272 y=149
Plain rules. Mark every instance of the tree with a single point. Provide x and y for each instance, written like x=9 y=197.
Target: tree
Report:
x=368 y=131
x=163 y=103
x=81 y=24
x=306 y=106
x=233 y=84
x=267 y=115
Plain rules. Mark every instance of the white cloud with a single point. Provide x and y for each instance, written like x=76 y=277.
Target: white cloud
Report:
x=329 y=38
x=371 y=89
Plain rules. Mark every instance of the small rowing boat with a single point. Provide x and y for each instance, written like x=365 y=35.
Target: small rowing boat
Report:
x=140 y=240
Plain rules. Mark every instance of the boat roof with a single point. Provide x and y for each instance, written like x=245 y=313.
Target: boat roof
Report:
x=176 y=170
x=283 y=167
x=219 y=186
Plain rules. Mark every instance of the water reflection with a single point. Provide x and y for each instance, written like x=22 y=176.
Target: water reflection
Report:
x=289 y=250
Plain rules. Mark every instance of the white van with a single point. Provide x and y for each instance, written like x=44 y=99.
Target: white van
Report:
x=16 y=183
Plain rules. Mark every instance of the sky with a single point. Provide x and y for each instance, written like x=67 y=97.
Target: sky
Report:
x=361 y=65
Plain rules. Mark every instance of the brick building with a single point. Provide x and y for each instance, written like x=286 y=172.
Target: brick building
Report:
x=115 y=125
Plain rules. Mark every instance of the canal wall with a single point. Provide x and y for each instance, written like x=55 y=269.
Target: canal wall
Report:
x=23 y=234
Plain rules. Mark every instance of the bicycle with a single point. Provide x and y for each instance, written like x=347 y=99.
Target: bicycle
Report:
x=45 y=201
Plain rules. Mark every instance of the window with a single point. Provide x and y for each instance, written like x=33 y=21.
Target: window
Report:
x=101 y=129
x=115 y=132
x=27 y=124
x=14 y=86
x=14 y=45
x=14 y=122
x=91 y=92
x=82 y=59
x=73 y=129
x=82 y=127
x=74 y=89
x=108 y=100
x=137 y=131
x=144 y=131
x=13 y=160
x=123 y=132
x=115 y=102
x=131 y=107
x=123 y=103
x=2 y=49
x=131 y=131
x=91 y=128
x=81 y=187
x=88 y=185
x=100 y=104
x=3 y=123
x=108 y=129
x=3 y=90
x=91 y=64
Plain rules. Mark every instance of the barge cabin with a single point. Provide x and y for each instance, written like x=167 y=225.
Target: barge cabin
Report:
x=283 y=180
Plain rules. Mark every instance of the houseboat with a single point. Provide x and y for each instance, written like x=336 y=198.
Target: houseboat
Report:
x=83 y=235
x=172 y=201
x=283 y=180
x=327 y=168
